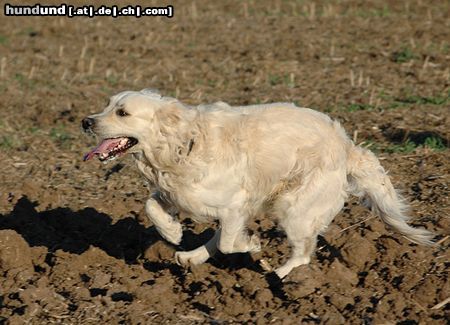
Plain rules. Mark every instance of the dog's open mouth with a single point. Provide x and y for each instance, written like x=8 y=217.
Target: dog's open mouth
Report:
x=110 y=149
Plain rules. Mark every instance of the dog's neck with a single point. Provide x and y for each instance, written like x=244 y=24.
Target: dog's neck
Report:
x=164 y=161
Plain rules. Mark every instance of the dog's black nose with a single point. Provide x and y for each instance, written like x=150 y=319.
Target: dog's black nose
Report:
x=87 y=123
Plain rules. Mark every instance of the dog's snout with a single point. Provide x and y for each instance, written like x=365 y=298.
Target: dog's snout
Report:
x=87 y=123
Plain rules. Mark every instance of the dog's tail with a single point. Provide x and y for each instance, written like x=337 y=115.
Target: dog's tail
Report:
x=368 y=179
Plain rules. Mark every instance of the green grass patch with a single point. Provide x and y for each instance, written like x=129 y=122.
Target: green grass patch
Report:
x=372 y=146
x=358 y=107
x=60 y=136
x=3 y=39
x=24 y=82
x=20 y=78
x=406 y=147
x=393 y=103
x=274 y=79
x=112 y=81
x=33 y=130
x=29 y=31
x=285 y=79
x=422 y=100
x=403 y=56
x=446 y=48
x=433 y=143
x=370 y=13
x=9 y=142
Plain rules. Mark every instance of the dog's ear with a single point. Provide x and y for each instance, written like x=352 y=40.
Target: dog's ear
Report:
x=170 y=115
x=151 y=93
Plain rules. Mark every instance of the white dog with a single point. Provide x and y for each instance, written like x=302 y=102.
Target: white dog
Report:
x=233 y=163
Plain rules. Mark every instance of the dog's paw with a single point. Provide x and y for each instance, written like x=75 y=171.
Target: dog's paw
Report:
x=172 y=233
x=194 y=257
x=254 y=244
x=282 y=271
x=292 y=263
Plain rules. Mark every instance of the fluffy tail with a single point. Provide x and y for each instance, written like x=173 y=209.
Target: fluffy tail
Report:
x=368 y=179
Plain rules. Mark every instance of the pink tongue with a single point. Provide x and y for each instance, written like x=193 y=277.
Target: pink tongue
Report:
x=104 y=146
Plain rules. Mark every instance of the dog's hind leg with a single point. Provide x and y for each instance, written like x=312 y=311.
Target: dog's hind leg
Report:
x=307 y=211
x=199 y=255
x=165 y=224
x=302 y=248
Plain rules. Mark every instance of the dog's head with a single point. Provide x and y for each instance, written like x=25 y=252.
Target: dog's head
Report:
x=130 y=120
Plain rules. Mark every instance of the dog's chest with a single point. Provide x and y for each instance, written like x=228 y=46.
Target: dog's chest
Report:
x=163 y=181
x=146 y=170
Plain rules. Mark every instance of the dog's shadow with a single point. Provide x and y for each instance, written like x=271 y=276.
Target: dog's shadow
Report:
x=76 y=231
x=127 y=239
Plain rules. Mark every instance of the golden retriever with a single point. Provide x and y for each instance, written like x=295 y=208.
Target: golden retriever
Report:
x=232 y=163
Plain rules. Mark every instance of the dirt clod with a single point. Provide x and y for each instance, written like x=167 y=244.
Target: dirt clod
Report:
x=15 y=254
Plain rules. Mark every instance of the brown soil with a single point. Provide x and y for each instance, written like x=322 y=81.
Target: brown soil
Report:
x=75 y=246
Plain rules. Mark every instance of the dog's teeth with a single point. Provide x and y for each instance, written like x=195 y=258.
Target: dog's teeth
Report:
x=114 y=152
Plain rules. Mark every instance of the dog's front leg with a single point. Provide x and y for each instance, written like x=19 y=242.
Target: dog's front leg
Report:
x=234 y=238
x=165 y=224
x=199 y=255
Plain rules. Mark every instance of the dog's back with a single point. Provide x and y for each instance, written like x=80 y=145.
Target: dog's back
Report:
x=279 y=140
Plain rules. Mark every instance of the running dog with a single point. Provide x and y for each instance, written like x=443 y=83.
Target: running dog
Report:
x=218 y=162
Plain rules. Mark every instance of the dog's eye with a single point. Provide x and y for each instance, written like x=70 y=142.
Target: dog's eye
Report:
x=121 y=112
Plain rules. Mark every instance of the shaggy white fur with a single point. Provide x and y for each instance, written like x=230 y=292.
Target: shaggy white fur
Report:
x=232 y=163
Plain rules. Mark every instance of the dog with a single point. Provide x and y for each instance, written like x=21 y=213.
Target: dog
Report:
x=231 y=163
